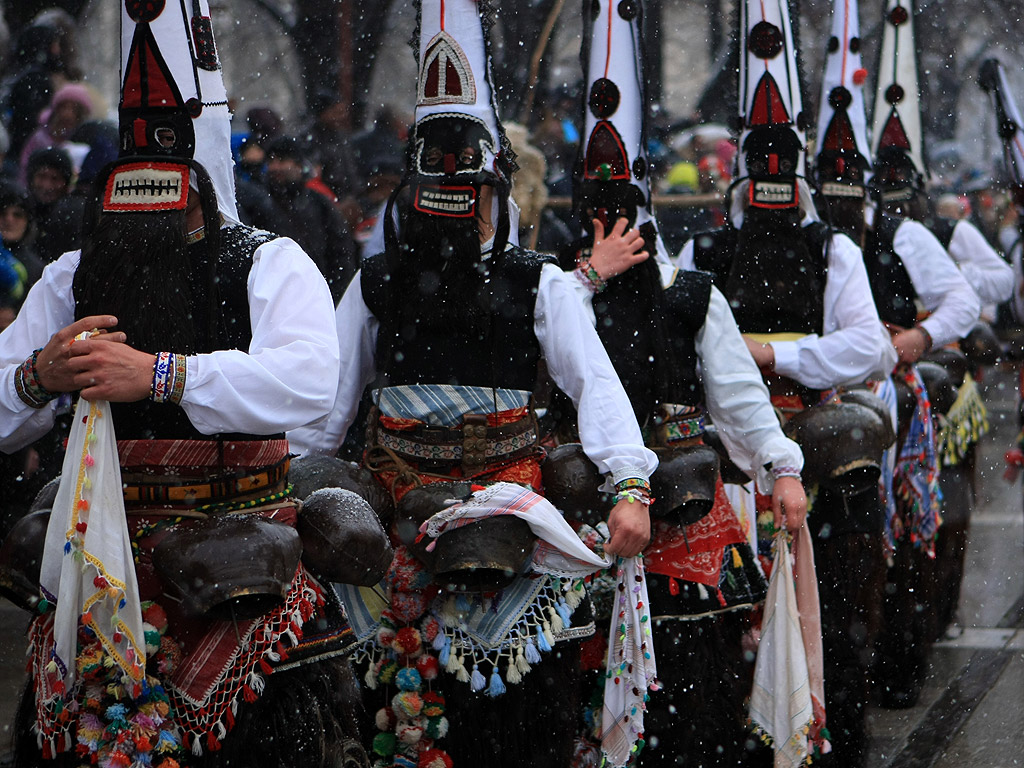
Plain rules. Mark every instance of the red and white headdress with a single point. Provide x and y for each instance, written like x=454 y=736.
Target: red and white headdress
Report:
x=772 y=140
x=843 y=154
x=612 y=178
x=173 y=112
x=458 y=143
x=899 y=168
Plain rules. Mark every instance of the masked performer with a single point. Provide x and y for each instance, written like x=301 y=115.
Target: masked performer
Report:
x=452 y=319
x=909 y=271
x=658 y=325
x=210 y=340
x=800 y=293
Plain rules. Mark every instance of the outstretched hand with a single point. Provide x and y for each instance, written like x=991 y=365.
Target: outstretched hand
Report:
x=103 y=367
x=629 y=529
x=614 y=253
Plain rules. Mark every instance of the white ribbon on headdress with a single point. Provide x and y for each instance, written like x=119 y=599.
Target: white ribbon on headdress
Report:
x=88 y=567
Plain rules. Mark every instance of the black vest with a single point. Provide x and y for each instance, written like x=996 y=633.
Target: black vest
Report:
x=891 y=286
x=781 y=311
x=230 y=330
x=435 y=352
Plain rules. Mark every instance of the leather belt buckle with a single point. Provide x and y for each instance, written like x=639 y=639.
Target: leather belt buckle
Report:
x=474 y=443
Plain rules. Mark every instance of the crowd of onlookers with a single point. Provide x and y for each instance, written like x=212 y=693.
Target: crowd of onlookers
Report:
x=318 y=180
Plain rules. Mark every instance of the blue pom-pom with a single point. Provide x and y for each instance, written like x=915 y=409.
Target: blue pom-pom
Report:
x=408 y=679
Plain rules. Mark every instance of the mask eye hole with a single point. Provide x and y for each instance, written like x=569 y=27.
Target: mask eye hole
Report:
x=433 y=156
x=467 y=156
x=165 y=137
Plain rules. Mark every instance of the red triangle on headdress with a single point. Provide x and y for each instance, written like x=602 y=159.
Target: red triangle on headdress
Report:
x=606 y=149
x=893 y=135
x=839 y=134
x=768 y=107
x=147 y=79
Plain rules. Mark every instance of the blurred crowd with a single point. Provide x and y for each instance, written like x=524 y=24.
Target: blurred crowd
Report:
x=326 y=185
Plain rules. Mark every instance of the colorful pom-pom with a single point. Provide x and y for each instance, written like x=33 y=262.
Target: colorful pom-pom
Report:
x=409 y=733
x=385 y=719
x=427 y=666
x=408 y=641
x=384 y=744
x=407 y=704
x=434 y=758
x=408 y=679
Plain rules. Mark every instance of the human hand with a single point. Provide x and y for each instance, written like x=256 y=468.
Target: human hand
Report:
x=763 y=354
x=52 y=361
x=910 y=344
x=615 y=253
x=629 y=529
x=116 y=373
x=789 y=503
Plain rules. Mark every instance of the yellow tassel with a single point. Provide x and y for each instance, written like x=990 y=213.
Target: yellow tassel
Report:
x=737 y=561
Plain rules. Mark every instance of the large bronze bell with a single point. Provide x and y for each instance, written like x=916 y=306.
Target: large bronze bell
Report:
x=981 y=345
x=483 y=556
x=953 y=360
x=21 y=557
x=231 y=565
x=46 y=496
x=726 y=468
x=842 y=445
x=311 y=473
x=870 y=400
x=683 y=485
x=939 y=385
x=342 y=539
x=571 y=483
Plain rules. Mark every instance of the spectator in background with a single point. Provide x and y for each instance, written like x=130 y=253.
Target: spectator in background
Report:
x=329 y=140
x=17 y=232
x=308 y=217
x=100 y=139
x=34 y=66
x=71 y=106
x=8 y=170
x=264 y=125
x=49 y=175
x=385 y=138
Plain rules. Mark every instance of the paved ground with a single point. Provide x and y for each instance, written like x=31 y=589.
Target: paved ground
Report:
x=971 y=712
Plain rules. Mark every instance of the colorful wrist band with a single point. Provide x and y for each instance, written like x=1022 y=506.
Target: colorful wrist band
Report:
x=28 y=385
x=169 y=371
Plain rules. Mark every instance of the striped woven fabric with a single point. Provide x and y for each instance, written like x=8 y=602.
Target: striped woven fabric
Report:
x=444 y=405
x=201 y=453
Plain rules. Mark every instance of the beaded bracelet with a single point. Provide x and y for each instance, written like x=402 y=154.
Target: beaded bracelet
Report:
x=631 y=483
x=633 y=494
x=28 y=385
x=587 y=275
x=169 y=371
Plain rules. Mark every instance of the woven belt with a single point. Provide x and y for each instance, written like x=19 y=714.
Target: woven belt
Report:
x=473 y=444
x=148 y=489
x=674 y=424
